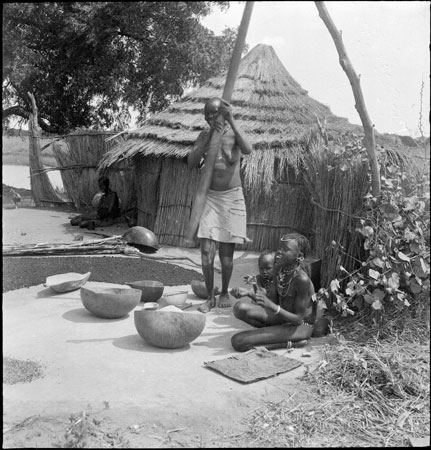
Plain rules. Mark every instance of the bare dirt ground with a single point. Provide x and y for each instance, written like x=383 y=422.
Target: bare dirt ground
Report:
x=94 y=399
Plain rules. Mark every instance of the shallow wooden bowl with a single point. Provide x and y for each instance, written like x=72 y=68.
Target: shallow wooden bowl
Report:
x=66 y=282
x=169 y=329
x=110 y=302
x=151 y=290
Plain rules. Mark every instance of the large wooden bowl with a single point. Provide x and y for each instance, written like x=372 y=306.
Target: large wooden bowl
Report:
x=66 y=282
x=109 y=302
x=151 y=290
x=169 y=329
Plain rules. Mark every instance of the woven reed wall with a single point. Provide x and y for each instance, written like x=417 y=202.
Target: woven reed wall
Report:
x=166 y=190
x=147 y=174
x=285 y=209
x=177 y=187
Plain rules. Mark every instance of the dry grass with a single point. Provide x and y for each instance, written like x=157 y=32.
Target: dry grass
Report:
x=362 y=394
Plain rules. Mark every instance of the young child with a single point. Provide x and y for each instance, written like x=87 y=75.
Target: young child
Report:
x=286 y=313
x=263 y=280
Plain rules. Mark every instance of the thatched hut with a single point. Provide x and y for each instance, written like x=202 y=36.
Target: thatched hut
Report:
x=278 y=118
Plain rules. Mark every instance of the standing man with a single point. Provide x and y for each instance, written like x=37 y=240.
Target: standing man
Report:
x=223 y=219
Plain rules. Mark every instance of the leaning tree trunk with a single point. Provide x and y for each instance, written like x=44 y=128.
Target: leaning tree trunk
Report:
x=40 y=185
x=345 y=63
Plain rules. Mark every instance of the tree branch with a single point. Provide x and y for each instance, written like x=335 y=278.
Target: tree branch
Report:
x=345 y=63
x=19 y=111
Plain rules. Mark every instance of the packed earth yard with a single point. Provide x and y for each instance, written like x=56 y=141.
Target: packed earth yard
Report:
x=71 y=379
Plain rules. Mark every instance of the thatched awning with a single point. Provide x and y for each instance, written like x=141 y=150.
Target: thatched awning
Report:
x=273 y=110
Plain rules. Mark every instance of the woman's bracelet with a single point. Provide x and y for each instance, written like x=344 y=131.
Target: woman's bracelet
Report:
x=278 y=310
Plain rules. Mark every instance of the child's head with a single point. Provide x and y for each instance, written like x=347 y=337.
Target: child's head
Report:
x=266 y=264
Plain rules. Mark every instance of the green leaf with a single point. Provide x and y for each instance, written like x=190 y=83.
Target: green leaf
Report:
x=369 y=298
x=378 y=262
x=410 y=203
x=394 y=281
x=378 y=294
x=415 y=247
x=415 y=287
x=389 y=210
x=334 y=285
x=377 y=305
x=373 y=274
x=403 y=257
x=424 y=266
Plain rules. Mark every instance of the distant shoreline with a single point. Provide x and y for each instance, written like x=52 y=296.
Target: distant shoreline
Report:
x=23 y=160
x=15 y=151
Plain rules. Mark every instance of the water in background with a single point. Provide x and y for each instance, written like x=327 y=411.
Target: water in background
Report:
x=19 y=177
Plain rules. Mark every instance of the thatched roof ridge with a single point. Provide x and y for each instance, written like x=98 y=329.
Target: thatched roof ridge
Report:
x=268 y=104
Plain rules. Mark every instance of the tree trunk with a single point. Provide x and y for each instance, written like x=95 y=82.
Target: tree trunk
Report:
x=345 y=63
x=40 y=185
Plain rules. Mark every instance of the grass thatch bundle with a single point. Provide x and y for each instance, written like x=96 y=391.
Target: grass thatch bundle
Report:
x=268 y=104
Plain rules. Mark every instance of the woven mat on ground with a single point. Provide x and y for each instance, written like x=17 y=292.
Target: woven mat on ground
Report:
x=255 y=365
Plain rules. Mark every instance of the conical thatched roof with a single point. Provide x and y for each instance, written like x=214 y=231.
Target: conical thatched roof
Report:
x=272 y=109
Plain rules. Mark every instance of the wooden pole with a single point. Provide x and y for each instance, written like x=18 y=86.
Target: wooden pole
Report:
x=345 y=63
x=208 y=169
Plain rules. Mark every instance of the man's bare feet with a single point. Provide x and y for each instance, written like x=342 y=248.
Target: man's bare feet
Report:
x=207 y=306
x=224 y=301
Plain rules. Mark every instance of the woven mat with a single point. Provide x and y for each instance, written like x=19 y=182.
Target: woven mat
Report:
x=255 y=365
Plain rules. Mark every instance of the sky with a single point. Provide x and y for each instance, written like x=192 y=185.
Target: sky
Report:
x=387 y=43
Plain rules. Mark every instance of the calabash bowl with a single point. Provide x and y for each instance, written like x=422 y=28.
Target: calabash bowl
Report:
x=151 y=290
x=176 y=298
x=66 y=282
x=200 y=290
x=109 y=302
x=169 y=329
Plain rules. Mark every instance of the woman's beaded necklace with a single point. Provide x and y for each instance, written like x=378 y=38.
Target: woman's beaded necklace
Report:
x=284 y=279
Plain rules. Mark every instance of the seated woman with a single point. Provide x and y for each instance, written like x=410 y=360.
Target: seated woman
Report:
x=108 y=209
x=284 y=311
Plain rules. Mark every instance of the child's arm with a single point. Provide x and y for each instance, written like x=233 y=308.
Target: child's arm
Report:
x=239 y=292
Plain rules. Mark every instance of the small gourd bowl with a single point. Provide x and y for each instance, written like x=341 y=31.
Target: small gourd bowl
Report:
x=151 y=290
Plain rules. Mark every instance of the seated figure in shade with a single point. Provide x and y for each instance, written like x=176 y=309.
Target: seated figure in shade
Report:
x=107 y=209
x=284 y=311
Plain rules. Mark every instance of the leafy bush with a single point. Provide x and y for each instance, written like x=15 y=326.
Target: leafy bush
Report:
x=395 y=265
